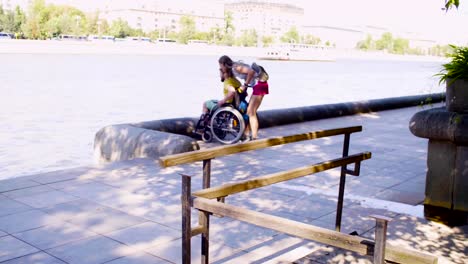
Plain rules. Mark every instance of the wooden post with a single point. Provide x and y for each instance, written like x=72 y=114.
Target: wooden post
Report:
x=186 y=219
x=381 y=223
x=339 y=207
x=204 y=219
x=206 y=173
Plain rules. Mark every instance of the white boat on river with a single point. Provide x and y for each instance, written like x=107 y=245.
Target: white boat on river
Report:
x=299 y=52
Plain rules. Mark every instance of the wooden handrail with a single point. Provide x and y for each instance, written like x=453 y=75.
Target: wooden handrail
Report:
x=354 y=243
x=205 y=154
x=231 y=188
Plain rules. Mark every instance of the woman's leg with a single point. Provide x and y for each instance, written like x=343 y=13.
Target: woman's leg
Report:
x=254 y=104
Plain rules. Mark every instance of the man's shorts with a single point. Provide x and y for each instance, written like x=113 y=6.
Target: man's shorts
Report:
x=261 y=88
x=211 y=104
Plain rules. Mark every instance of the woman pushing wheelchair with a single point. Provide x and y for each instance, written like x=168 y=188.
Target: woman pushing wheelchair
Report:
x=225 y=119
x=253 y=76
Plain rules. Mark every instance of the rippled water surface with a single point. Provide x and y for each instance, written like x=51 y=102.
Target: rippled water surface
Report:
x=52 y=105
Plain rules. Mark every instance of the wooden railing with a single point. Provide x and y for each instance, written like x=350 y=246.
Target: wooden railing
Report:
x=201 y=200
x=206 y=155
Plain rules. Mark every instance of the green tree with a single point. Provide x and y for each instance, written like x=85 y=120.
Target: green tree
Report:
x=7 y=21
x=120 y=29
x=203 y=36
x=11 y=21
x=93 y=24
x=310 y=39
x=228 y=39
x=248 y=38
x=366 y=44
x=291 y=36
x=215 y=35
x=400 y=46
x=2 y=15
x=138 y=32
x=65 y=20
x=38 y=15
x=385 y=42
x=229 y=30
x=229 y=26
x=267 y=41
x=104 y=27
x=19 y=19
x=172 y=35
x=187 y=29
x=438 y=50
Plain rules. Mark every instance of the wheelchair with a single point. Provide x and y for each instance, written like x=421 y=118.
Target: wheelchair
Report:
x=226 y=124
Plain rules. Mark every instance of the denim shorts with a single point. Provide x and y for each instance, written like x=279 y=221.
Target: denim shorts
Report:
x=211 y=104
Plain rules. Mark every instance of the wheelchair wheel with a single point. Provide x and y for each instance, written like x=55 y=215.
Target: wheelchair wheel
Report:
x=207 y=136
x=227 y=125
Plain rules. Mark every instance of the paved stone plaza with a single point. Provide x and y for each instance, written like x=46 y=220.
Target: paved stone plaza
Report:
x=130 y=212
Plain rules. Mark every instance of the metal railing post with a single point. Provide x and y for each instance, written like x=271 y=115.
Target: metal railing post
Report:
x=339 y=207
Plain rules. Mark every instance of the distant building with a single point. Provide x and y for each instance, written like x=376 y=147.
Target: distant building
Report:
x=147 y=15
x=268 y=19
x=165 y=16
x=341 y=37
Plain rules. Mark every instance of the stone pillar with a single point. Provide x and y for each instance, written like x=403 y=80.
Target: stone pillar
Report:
x=446 y=195
x=447 y=175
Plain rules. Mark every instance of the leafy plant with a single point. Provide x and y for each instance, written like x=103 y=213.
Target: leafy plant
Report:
x=450 y=3
x=457 y=68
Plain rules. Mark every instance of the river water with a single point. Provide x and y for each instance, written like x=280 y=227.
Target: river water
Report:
x=52 y=105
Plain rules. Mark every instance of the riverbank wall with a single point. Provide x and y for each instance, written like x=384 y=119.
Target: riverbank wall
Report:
x=153 y=139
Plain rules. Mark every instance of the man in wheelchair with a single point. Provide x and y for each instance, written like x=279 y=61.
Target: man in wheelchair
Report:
x=224 y=119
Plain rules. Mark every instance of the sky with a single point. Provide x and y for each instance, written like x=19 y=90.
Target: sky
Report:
x=423 y=17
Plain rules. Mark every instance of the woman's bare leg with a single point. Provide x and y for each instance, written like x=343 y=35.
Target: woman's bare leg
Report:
x=254 y=104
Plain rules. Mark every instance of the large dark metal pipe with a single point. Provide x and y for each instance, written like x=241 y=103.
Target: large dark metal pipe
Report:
x=277 y=117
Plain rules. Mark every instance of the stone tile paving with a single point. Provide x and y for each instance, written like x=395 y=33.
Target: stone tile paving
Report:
x=129 y=212
x=36 y=258
x=11 y=247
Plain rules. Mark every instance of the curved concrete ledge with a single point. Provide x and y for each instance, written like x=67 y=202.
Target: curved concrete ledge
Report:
x=153 y=139
x=440 y=124
x=142 y=140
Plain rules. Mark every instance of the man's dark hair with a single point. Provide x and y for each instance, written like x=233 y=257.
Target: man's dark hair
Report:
x=226 y=61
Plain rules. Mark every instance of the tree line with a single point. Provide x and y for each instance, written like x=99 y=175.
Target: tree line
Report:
x=397 y=45
x=46 y=21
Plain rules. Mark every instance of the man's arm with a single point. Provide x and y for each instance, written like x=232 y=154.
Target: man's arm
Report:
x=229 y=96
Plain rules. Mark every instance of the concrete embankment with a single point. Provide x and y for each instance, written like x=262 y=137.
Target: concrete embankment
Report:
x=157 y=138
